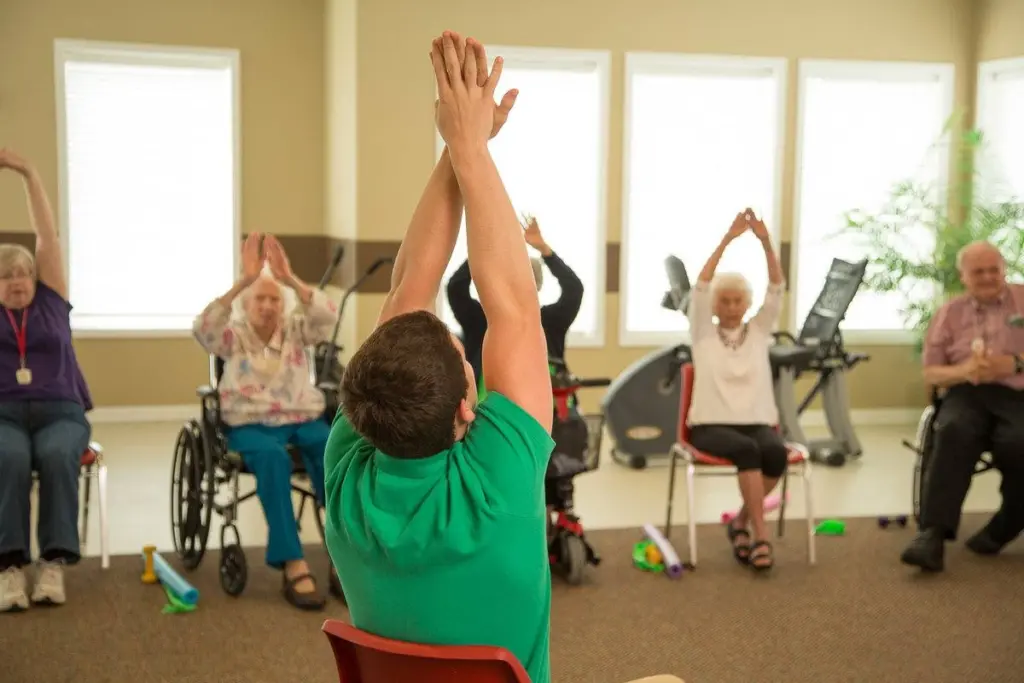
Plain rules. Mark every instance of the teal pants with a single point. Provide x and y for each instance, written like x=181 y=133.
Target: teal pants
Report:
x=265 y=453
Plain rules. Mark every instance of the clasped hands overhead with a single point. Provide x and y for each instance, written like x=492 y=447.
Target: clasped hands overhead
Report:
x=465 y=111
x=747 y=220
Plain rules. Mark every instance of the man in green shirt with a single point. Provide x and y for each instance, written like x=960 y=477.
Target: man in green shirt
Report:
x=436 y=518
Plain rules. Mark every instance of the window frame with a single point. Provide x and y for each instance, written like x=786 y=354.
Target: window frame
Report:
x=989 y=72
x=140 y=54
x=642 y=63
x=553 y=58
x=945 y=74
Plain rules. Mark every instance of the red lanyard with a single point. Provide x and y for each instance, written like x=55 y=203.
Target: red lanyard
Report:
x=19 y=334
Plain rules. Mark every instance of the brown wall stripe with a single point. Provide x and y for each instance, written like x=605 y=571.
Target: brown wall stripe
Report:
x=311 y=254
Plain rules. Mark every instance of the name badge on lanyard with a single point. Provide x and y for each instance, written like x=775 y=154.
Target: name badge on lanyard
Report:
x=22 y=375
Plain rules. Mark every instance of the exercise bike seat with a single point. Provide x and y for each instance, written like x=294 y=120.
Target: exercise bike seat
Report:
x=799 y=358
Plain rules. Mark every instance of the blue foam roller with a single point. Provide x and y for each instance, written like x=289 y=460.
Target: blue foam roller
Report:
x=173 y=580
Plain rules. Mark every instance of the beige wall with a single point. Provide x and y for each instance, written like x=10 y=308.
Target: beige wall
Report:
x=1000 y=29
x=314 y=83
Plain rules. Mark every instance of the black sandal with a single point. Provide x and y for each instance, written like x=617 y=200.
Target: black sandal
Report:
x=312 y=600
x=761 y=561
x=741 y=551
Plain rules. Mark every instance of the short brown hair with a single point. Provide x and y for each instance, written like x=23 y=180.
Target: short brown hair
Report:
x=402 y=388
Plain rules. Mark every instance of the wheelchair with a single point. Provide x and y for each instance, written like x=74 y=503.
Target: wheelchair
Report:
x=205 y=480
x=923 y=446
x=577 y=450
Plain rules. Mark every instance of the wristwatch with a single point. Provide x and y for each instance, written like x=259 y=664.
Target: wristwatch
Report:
x=1018 y=364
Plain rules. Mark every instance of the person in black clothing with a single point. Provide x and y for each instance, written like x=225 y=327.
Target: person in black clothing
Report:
x=556 y=318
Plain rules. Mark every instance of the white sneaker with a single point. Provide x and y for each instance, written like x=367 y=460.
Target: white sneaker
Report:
x=13 y=590
x=49 y=588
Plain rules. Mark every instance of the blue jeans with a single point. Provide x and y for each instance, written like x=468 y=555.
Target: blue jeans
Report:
x=47 y=437
x=264 y=451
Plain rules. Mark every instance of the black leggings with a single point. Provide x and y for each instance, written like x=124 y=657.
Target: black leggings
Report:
x=749 y=447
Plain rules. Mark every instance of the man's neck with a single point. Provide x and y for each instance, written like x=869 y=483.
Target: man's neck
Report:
x=266 y=333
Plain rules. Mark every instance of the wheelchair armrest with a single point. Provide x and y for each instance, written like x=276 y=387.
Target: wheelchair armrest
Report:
x=205 y=391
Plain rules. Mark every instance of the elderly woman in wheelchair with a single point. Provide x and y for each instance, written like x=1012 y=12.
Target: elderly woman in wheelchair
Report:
x=733 y=415
x=267 y=402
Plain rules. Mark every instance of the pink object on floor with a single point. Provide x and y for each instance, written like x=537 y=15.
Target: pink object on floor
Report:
x=771 y=503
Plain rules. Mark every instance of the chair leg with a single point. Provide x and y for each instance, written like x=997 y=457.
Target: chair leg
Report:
x=101 y=481
x=691 y=511
x=812 y=548
x=782 y=503
x=83 y=535
x=671 y=491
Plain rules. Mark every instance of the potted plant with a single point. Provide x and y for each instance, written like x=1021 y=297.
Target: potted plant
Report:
x=891 y=238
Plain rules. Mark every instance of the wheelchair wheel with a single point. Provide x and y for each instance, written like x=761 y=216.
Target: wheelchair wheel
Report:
x=193 y=487
x=574 y=558
x=234 y=572
x=925 y=443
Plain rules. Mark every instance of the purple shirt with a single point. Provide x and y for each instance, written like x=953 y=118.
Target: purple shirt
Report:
x=50 y=355
x=1000 y=325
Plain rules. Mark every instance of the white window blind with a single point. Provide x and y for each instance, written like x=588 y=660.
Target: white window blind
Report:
x=552 y=156
x=864 y=127
x=149 y=182
x=703 y=141
x=1001 y=120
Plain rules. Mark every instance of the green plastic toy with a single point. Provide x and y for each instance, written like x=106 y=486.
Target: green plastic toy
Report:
x=174 y=604
x=831 y=527
x=640 y=555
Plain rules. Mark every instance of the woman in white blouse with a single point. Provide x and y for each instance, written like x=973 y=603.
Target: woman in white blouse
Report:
x=733 y=413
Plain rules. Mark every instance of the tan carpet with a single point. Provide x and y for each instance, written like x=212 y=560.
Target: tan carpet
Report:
x=857 y=617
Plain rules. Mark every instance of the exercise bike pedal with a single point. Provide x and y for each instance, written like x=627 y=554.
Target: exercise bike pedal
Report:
x=828 y=457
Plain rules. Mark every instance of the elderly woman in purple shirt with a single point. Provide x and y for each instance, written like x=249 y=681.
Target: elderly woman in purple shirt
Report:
x=974 y=351
x=43 y=401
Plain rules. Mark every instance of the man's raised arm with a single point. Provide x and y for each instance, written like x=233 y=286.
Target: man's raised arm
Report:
x=515 y=352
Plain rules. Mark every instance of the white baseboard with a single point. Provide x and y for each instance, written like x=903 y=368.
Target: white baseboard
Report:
x=133 y=414
x=874 y=417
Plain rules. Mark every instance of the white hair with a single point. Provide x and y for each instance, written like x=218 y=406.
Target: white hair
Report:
x=538 y=272
x=288 y=297
x=732 y=282
x=15 y=257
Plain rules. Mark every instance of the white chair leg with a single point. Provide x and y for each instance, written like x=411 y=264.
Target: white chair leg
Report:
x=812 y=554
x=691 y=512
x=101 y=485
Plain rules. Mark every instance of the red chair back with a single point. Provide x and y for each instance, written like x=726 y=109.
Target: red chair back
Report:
x=365 y=658
x=685 y=399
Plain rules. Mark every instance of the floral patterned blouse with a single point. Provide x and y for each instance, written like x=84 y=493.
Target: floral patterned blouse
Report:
x=269 y=383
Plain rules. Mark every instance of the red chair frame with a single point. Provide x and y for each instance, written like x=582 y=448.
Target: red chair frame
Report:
x=703 y=464
x=366 y=658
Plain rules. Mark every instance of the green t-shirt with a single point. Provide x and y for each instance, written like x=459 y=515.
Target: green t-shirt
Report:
x=449 y=549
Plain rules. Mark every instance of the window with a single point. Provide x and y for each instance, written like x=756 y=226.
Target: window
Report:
x=149 y=182
x=703 y=141
x=1000 y=113
x=864 y=127
x=552 y=155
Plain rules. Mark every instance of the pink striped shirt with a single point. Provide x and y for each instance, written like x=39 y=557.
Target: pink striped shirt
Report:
x=956 y=326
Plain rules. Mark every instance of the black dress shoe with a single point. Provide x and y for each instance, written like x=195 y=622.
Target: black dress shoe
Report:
x=984 y=543
x=927 y=551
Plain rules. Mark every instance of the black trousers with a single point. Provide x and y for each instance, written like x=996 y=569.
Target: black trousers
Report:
x=749 y=447
x=973 y=420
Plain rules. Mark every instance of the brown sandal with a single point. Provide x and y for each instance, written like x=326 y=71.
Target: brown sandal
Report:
x=741 y=551
x=312 y=600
